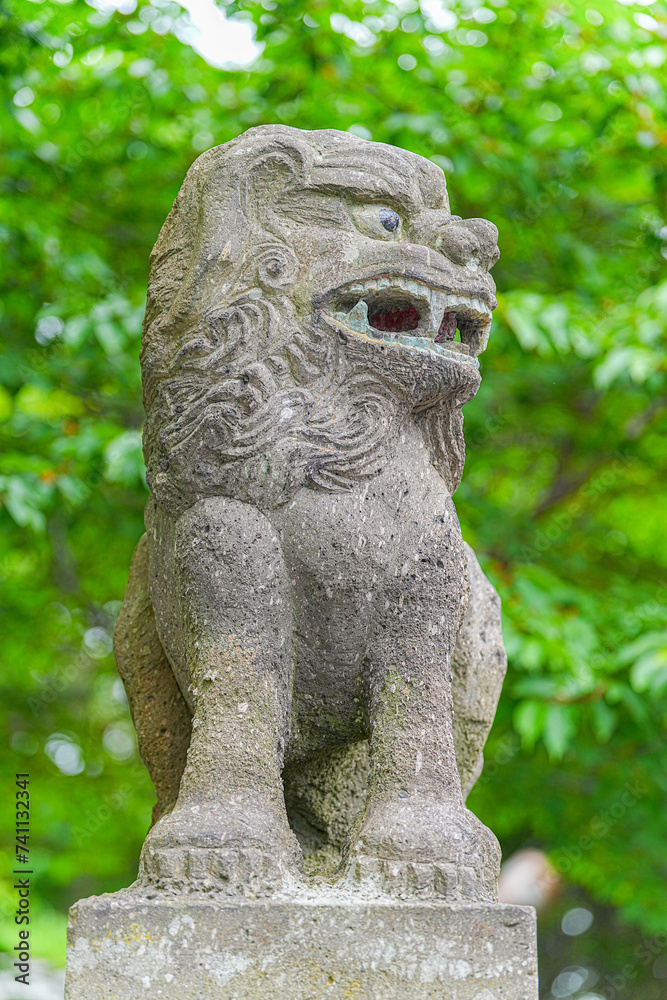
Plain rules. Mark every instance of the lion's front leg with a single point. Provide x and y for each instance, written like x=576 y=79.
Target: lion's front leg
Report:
x=416 y=837
x=229 y=824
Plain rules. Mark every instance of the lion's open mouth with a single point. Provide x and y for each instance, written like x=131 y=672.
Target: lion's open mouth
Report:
x=408 y=312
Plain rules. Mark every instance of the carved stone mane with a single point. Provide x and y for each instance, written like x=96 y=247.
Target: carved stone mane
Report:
x=244 y=397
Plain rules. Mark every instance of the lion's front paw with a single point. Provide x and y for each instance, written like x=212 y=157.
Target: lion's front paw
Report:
x=425 y=849
x=245 y=870
x=420 y=880
x=229 y=844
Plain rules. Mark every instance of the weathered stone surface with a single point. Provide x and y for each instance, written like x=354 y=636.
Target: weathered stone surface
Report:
x=312 y=654
x=125 y=948
x=159 y=712
x=322 y=643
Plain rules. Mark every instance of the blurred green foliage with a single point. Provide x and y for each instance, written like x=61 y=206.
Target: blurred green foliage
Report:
x=550 y=120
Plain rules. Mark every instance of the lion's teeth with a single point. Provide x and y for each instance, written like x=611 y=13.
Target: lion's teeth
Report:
x=450 y=302
x=357 y=318
x=438 y=309
x=455 y=303
x=432 y=305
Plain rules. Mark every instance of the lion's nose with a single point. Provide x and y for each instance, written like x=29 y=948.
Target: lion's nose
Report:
x=466 y=241
x=470 y=242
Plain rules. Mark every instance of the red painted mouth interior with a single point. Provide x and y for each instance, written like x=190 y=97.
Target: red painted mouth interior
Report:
x=395 y=319
x=447 y=329
x=403 y=318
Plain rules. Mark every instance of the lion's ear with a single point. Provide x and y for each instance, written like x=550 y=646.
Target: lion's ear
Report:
x=273 y=173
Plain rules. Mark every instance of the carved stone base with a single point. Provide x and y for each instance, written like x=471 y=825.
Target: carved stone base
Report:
x=126 y=946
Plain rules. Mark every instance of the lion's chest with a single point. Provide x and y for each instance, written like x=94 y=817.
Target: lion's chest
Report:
x=362 y=566
x=390 y=548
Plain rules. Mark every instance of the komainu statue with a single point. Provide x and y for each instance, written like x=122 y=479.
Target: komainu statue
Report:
x=312 y=654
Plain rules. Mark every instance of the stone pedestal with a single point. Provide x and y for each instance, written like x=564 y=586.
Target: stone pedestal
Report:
x=126 y=946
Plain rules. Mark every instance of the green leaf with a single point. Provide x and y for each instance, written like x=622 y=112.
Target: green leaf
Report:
x=47 y=404
x=559 y=728
x=605 y=720
x=528 y=718
x=649 y=672
x=6 y=404
x=124 y=460
x=23 y=498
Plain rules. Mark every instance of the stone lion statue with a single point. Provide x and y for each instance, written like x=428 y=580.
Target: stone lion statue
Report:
x=311 y=653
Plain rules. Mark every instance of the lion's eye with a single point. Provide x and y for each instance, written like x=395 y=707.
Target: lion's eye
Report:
x=389 y=219
x=377 y=221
